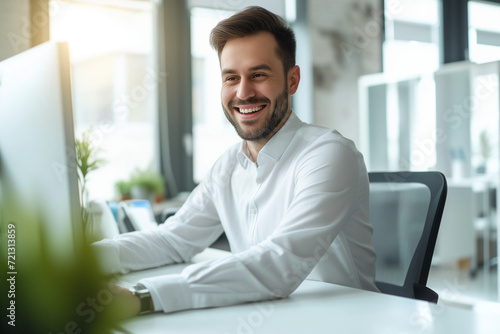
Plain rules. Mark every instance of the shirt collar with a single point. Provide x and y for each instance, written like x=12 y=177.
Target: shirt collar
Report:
x=276 y=145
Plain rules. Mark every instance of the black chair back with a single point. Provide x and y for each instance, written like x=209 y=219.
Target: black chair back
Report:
x=405 y=212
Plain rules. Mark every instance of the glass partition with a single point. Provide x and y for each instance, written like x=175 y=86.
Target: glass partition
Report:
x=447 y=120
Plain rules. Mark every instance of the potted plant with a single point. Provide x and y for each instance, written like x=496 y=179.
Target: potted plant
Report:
x=123 y=188
x=87 y=160
x=146 y=184
x=486 y=150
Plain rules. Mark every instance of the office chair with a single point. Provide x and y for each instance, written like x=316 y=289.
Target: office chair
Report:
x=405 y=212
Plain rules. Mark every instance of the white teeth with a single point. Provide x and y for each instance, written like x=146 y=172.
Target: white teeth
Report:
x=247 y=111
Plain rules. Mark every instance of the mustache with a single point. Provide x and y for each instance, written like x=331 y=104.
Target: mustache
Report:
x=253 y=100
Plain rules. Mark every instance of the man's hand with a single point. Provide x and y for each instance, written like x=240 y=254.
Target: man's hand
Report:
x=125 y=303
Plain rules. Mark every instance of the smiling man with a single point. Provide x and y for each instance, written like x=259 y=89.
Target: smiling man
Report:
x=292 y=198
x=256 y=93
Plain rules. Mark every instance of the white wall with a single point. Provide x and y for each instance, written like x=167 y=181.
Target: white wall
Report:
x=15 y=34
x=346 y=39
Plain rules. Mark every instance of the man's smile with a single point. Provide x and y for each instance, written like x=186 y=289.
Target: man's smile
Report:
x=249 y=109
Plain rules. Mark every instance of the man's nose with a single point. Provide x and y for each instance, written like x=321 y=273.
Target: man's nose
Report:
x=245 y=89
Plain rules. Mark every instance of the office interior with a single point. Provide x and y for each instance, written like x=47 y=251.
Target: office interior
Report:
x=413 y=83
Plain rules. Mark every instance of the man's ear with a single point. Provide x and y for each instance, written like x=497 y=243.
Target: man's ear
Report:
x=293 y=79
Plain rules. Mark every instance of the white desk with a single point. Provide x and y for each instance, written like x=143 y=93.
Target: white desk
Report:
x=316 y=308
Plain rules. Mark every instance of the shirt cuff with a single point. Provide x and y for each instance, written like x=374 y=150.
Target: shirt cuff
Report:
x=170 y=293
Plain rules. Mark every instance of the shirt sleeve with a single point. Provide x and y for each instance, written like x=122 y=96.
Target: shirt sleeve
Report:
x=192 y=229
x=327 y=185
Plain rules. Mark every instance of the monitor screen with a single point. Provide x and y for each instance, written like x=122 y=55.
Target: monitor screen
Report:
x=39 y=194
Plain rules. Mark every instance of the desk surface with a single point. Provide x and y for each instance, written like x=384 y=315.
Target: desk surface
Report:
x=316 y=308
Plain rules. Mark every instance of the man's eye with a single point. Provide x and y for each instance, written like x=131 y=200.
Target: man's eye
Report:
x=230 y=78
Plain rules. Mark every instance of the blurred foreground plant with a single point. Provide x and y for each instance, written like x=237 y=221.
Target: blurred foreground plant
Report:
x=52 y=293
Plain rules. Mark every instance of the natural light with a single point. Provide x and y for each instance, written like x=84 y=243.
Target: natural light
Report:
x=114 y=83
x=483 y=22
x=212 y=133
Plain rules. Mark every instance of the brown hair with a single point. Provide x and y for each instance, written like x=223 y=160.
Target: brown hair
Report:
x=251 y=21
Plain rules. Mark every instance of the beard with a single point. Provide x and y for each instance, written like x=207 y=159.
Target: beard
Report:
x=277 y=116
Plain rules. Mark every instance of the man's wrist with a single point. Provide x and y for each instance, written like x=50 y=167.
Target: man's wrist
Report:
x=146 y=302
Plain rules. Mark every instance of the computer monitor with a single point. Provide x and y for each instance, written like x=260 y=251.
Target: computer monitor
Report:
x=38 y=173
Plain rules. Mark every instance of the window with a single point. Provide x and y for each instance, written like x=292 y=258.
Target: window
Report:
x=484 y=46
x=212 y=133
x=410 y=50
x=114 y=82
x=484 y=32
x=412 y=36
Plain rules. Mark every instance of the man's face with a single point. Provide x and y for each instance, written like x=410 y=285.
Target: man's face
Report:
x=255 y=90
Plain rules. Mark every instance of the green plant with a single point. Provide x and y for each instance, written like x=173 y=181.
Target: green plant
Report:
x=123 y=188
x=54 y=282
x=149 y=180
x=87 y=160
x=485 y=145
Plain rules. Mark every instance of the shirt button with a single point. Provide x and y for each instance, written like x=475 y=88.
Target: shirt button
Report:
x=258 y=180
x=253 y=212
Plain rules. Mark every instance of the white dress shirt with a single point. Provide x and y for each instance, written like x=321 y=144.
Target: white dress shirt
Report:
x=300 y=212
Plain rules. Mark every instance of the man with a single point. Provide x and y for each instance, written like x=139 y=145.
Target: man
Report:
x=292 y=198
